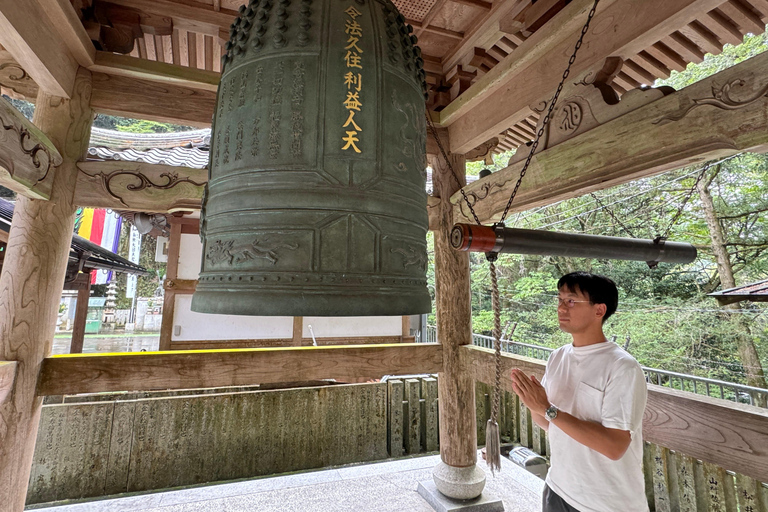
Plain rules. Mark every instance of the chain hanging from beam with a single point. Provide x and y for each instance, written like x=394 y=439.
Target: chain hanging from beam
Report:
x=492 y=436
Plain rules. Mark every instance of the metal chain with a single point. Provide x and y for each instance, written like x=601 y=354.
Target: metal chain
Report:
x=450 y=167
x=613 y=216
x=496 y=341
x=548 y=117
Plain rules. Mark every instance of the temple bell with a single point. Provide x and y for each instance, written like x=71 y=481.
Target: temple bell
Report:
x=316 y=201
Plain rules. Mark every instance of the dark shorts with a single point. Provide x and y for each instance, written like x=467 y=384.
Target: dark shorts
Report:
x=551 y=502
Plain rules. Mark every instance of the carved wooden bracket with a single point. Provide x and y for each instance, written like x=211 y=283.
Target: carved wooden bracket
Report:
x=137 y=186
x=483 y=152
x=27 y=156
x=115 y=28
x=647 y=132
x=14 y=80
x=586 y=102
x=7 y=375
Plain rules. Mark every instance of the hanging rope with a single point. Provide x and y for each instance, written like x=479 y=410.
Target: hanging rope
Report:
x=492 y=435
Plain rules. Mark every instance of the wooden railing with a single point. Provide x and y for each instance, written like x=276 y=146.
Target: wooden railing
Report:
x=701 y=454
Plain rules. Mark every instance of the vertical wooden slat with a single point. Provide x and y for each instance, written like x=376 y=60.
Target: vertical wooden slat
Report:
x=406 y=328
x=159 y=48
x=661 y=485
x=183 y=46
x=716 y=482
x=81 y=313
x=298 y=329
x=209 y=56
x=686 y=483
x=748 y=494
x=169 y=301
x=218 y=53
x=142 y=47
x=200 y=51
x=525 y=426
x=149 y=42
x=648 y=470
x=429 y=418
x=395 y=429
x=413 y=432
x=192 y=49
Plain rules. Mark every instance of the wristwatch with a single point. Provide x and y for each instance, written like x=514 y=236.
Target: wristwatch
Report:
x=551 y=412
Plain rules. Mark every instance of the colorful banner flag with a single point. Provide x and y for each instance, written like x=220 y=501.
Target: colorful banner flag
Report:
x=103 y=229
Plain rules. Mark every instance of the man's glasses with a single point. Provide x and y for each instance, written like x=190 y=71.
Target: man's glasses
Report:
x=569 y=303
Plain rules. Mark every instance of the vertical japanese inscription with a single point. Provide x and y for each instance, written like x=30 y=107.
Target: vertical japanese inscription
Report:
x=257 y=81
x=297 y=102
x=243 y=87
x=274 y=112
x=353 y=59
x=239 y=142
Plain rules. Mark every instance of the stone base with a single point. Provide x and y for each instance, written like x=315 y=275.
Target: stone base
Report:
x=442 y=503
x=459 y=483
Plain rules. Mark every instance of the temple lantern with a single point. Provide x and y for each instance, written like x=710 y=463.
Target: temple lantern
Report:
x=316 y=202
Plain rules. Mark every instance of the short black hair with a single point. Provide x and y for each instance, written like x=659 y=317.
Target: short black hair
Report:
x=599 y=289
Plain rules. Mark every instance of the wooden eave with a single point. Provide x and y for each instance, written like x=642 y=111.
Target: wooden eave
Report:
x=472 y=50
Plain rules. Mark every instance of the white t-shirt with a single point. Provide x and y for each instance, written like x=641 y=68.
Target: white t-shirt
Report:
x=604 y=384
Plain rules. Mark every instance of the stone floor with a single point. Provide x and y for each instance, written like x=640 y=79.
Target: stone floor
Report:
x=380 y=487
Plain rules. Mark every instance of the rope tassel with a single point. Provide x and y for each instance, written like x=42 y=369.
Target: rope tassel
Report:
x=492 y=436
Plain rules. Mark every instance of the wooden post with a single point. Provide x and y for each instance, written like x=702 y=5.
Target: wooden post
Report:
x=171 y=272
x=81 y=313
x=298 y=330
x=32 y=281
x=458 y=435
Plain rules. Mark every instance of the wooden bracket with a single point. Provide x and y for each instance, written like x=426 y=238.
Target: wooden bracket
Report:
x=27 y=156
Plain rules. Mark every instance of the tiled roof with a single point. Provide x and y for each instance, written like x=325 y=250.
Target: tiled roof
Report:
x=182 y=149
x=756 y=292
x=196 y=158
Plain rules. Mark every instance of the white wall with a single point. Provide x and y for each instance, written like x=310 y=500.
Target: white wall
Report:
x=326 y=327
x=199 y=326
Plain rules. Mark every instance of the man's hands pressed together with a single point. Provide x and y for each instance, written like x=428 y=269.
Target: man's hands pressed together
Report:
x=530 y=391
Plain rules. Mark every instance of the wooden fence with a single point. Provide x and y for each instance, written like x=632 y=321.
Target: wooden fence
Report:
x=131 y=443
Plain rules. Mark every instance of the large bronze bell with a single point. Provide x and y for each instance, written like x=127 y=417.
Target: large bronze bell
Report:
x=316 y=202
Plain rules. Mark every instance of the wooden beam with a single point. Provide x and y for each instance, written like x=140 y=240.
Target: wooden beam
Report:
x=139 y=371
x=633 y=25
x=730 y=435
x=28 y=34
x=7 y=375
x=286 y=342
x=436 y=30
x=484 y=29
x=71 y=31
x=298 y=330
x=712 y=118
x=727 y=434
x=152 y=100
x=137 y=186
x=81 y=314
x=171 y=273
x=186 y=15
x=126 y=66
x=27 y=156
x=433 y=11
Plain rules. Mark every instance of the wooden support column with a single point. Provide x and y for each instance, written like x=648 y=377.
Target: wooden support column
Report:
x=298 y=330
x=458 y=434
x=171 y=273
x=81 y=312
x=32 y=281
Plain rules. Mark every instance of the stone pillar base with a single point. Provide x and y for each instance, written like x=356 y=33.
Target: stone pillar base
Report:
x=442 y=503
x=459 y=483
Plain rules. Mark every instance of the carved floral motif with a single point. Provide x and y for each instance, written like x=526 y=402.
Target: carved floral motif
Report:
x=144 y=182
x=721 y=98
x=35 y=151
